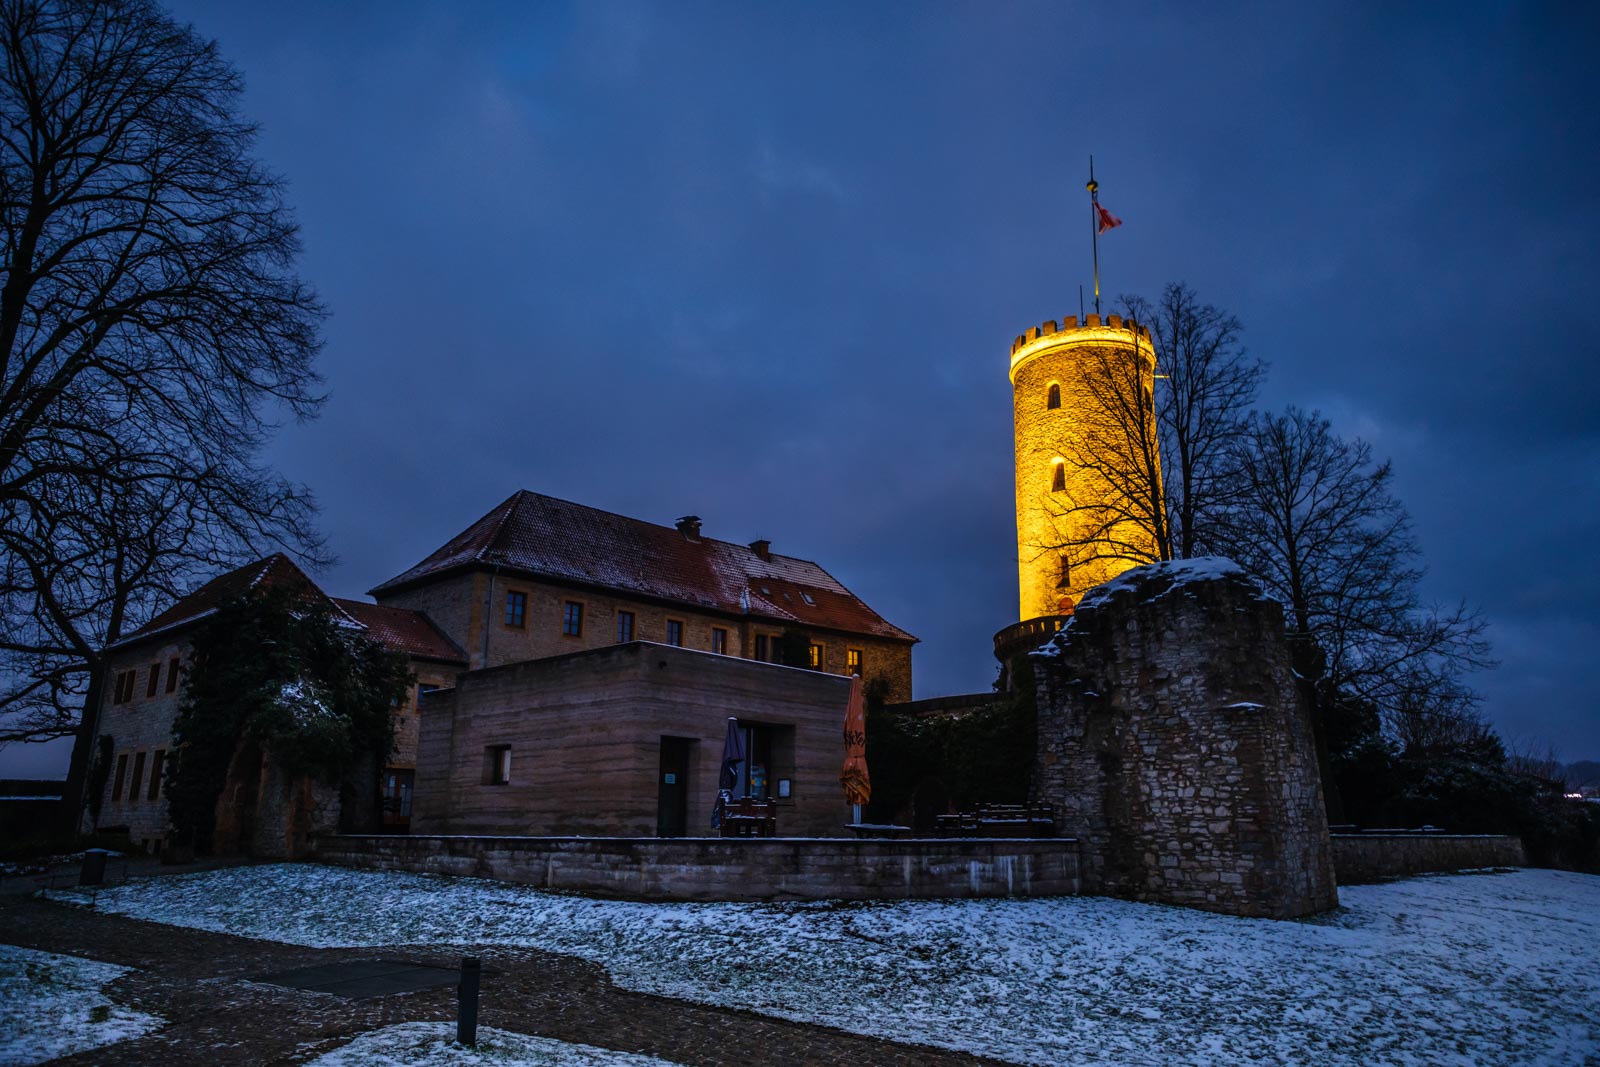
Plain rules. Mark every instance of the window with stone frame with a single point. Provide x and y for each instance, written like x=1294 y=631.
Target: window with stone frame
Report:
x=1053 y=397
x=852 y=660
x=675 y=632
x=572 y=619
x=817 y=656
x=516 y=609
x=624 y=626
x=157 y=761
x=719 y=640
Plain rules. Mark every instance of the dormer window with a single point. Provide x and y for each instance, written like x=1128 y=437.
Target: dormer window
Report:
x=1052 y=399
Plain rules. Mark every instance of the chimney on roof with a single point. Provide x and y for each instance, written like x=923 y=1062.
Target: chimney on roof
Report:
x=762 y=548
x=689 y=526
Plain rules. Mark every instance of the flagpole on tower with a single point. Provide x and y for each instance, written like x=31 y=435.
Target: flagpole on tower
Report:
x=1094 y=230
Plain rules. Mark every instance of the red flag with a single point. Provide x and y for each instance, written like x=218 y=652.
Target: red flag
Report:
x=1108 y=221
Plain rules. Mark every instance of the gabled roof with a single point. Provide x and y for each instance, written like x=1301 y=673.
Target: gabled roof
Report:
x=276 y=571
x=402 y=629
x=543 y=537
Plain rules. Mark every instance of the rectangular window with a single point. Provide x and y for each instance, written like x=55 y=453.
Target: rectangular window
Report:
x=816 y=657
x=516 y=609
x=155 y=680
x=172 y=674
x=624 y=626
x=719 y=640
x=572 y=619
x=852 y=660
x=121 y=777
x=674 y=632
x=156 y=762
x=761 y=647
x=122 y=691
x=138 y=776
x=497 y=765
x=424 y=687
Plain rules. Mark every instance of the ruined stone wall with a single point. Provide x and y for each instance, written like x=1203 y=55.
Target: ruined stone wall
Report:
x=1176 y=747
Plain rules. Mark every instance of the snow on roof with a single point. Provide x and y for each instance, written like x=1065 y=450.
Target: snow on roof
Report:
x=544 y=537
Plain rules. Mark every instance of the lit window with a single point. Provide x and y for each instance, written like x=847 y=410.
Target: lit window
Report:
x=1058 y=477
x=624 y=626
x=155 y=680
x=172 y=674
x=816 y=657
x=516 y=609
x=572 y=619
x=852 y=659
x=719 y=641
x=674 y=632
x=1053 y=398
x=497 y=765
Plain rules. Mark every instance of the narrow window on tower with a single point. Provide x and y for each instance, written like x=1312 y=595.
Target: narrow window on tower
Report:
x=1066 y=574
x=1058 y=477
x=1053 y=397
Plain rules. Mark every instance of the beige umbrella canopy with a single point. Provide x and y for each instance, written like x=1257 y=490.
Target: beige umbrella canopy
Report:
x=854 y=778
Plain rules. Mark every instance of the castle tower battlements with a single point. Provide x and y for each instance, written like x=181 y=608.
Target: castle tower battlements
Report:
x=1070 y=421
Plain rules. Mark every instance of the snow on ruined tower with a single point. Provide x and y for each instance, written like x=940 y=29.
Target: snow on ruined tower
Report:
x=1071 y=524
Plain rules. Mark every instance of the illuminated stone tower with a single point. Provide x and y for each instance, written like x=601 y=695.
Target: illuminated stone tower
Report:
x=1067 y=389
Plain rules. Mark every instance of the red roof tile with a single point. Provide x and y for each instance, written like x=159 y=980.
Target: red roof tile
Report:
x=404 y=630
x=549 y=538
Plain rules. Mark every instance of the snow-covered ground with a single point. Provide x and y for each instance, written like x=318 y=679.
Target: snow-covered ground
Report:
x=434 y=1045
x=52 y=1006
x=1467 y=969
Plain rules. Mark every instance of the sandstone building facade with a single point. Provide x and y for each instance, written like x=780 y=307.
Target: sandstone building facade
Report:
x=539 y=577
x=143 y=689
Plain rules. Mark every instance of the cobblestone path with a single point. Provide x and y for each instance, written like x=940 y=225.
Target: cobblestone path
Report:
x=200 y=983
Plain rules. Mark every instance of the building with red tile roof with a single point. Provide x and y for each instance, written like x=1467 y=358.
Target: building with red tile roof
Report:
x=538 y=576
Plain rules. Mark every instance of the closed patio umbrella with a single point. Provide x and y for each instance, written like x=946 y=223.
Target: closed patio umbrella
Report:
x=854 y=778
x=728 y=778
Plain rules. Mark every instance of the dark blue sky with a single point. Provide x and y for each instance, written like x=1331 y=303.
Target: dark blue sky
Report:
x=763 y=263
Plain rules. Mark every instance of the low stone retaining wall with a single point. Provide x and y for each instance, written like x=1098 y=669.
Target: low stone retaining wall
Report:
x=1359 y=859
x=750 y=869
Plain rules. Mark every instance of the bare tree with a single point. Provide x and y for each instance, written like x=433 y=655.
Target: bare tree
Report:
x=1313 y=518
x=152 y=331
x=1205 y=386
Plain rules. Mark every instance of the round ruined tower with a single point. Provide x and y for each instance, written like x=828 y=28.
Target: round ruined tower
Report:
x=1071 y=531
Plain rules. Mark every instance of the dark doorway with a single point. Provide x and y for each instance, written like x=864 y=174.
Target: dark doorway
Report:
x=672 y=787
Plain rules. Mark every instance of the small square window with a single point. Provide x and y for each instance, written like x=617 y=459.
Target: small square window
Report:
x=572 y=619
x=852 y=659
x=719 y=640
x=497 y=765
x=624 y=626
x=516 y=609
x=674 y=632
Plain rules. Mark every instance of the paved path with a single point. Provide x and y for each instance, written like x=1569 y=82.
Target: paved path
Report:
x=200 y=983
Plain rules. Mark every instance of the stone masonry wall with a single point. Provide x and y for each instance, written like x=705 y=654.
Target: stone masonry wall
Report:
x=1365 y=858
x=1176 y=747
x=732 y=869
